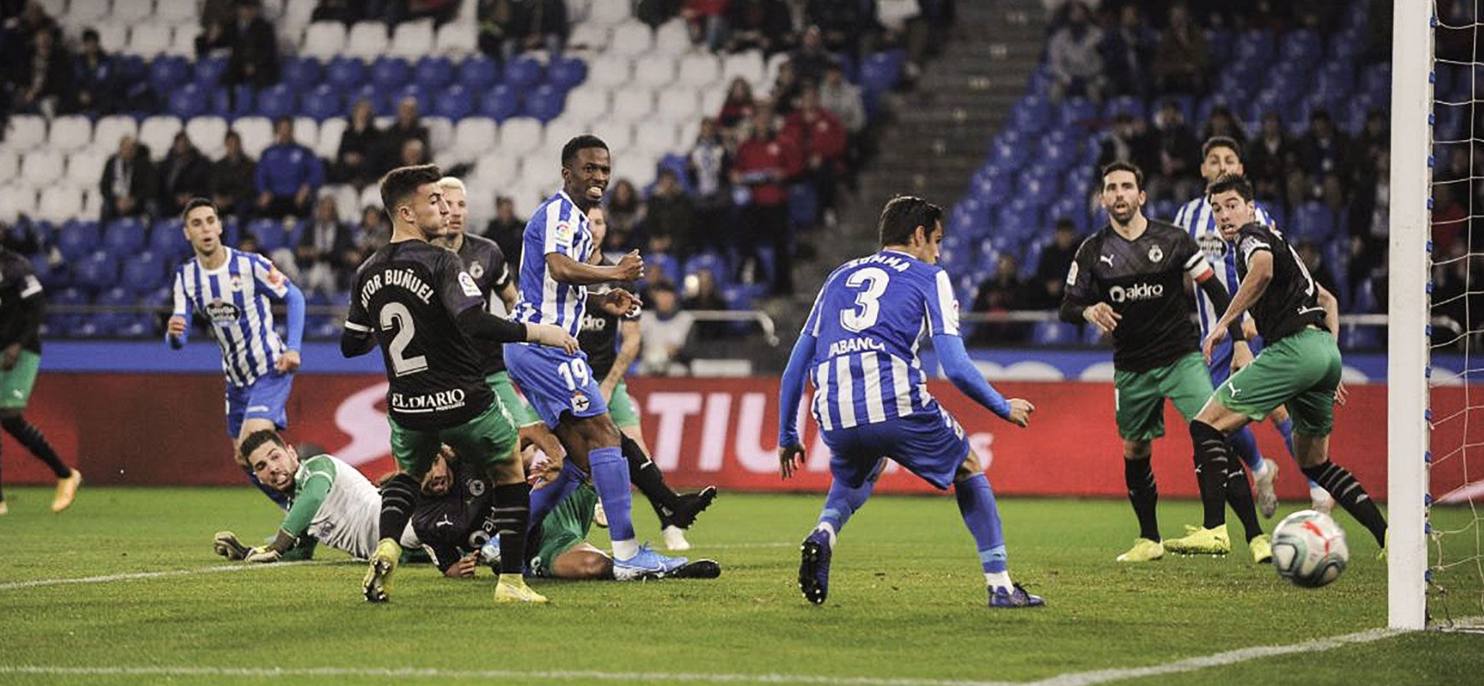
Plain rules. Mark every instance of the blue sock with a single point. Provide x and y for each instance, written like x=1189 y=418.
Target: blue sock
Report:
x=1285 y=428
x=611 y=478
x=842 y=502
x=976 y=504
x=279 y=498
x=544 y=499
x=1245 y=445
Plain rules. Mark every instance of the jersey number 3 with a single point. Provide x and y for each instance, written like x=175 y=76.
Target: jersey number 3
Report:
x=875 y=280
x=396 y=314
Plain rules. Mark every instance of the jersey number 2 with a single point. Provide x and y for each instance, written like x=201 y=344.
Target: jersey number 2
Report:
x=397 y=314
x=875 y=280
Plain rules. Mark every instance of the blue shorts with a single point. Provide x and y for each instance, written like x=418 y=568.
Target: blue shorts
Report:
x=261 y=399
x=930 y=444
x=555 y=382
x=1221 y=359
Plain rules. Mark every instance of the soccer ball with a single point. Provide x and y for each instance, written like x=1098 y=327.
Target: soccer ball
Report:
x=1309 y=549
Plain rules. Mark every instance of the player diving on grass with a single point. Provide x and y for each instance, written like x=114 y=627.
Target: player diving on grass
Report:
x=416 y=301
x=234 y=292
x=553 y=280
x=1128 y=279
x=1300 y=367
x=1221 y=156
x=859 y=348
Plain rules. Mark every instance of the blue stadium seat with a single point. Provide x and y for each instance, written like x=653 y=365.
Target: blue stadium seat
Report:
x=1053 y=333
x=1355 y=337
x=992 y=187
x=1070 y=206
x=566 y=73
x=523 y=71
x=1077 y=111
x=1313 y=222
x=380 y=102
x=137 y=325
x=68 y=296
x=803 y=205
x=433 y=72
x=270 y=234
x=499 y=103
x=301 y=73
x=208 y=70
x=223 y=102
x=187 y=101
x=1040 y=80
x=1376 y=80
x=737 y=297
x=1335 y=79
x=124 y=236
x=51 y=278
x=321 y=328
x=322 y=103
x=77 y=238
x=390 y=73
x=168 y=241
x=423 y=96
x=1300 y=46
x=1221 y=45
x=711 y=261
x=167 y=73
x=1005 y=154
x=1057 y=154
x=1125 y=104
x=97 y=271
x=117 y=296
x=882 y=71
x=277 y=101
x=144 y=272
x=456 y=102
x=1039 y=187
x=345 y=73
x=1031 y=114
x=1365 y=298
x=662 y=266
x=1255 y=44
x=479 y=73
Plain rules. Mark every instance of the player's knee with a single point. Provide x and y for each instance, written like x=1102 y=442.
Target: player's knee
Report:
x=969 y=468
x=1136 y=450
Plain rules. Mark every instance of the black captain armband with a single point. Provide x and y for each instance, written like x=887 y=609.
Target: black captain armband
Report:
x=485 y=326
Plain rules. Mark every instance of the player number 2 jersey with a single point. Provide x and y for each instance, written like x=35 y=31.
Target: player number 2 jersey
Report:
x=1291 y=301
x=867 y=320
x=558 y=226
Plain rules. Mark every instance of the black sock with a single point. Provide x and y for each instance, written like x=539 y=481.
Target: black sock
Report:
x=31 y=437
x=512 y=512
x=1351 y=495
x=398 y=499
x=1211 y=468
x=1239 y=496
x=646 y=475
x=1143 y=495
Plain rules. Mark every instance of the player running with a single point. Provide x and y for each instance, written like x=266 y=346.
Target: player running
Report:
x=1299 y=368
x=235 y=291
x=553 y=280
x=21 y=309
x=599 y=338
x=1221 y=156
x=425 y=311
x=859 y=347
x=1128 y=279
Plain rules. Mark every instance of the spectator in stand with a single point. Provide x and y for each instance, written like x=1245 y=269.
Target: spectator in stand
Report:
x=184 y=174
x=1002 y=292
x=786 y=89
x=1270 y=160
x=1313 y=260
x=666 y=329
x=821 y=137
x=128 y=183
x=407 y=126
x=232 y=178
x=1073 y=53
x=374 y=232
x=903 y=26
x=1056 y=260
x=508 y=27
x=1449 y=219
x=47 y=86
x=97 y=84
x=414 y=153
x=326 y=253
x=811 y=60
x=288 y=175
x=1323 y=152
x=1182 y=60
x=1130 y=140
x=344 y=11
x=355 y=160
x=764 y=164
x=672 y=216
x=217 y=17
x=846 y=26
x=843 y=99
x=18 y=43
x=1179 y=156
x=704 y=295
x=738 y=105
x=508 y=231
x=254 y=48
x=709 y=164
x=626 y=214
x=706 y=20
x=761 y=24
x=1127 y=52
x=1223 y=124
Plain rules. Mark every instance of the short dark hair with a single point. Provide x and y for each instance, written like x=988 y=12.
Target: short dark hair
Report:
x=283 y=120
x=1232 y=182
x=256 y=440
x=199 y=201
x=90 y=34
x=401 y=182
x=1128 y=167
x=903 y=214
x=1221 y=142
x=582 y=142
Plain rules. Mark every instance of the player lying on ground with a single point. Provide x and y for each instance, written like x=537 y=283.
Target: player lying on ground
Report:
x=859 y=347
x=1129 y=280
x=454 y=522
x=1300 y=367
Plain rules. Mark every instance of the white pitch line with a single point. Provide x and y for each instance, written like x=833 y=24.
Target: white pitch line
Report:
x=154 y=575
x=1102 y=676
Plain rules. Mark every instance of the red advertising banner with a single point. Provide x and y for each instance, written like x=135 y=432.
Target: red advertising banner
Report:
x=137 y=429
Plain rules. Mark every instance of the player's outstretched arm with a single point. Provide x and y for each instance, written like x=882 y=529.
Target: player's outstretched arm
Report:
x=961 y=371
x=293 y=299
x=307 y=501
x=567 y=270
x=790 y=393
x=178 y=330
x=1254 y=284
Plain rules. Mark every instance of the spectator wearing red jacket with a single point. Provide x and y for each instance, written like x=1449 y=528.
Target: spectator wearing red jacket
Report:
x=765 y=162
x=822 y=138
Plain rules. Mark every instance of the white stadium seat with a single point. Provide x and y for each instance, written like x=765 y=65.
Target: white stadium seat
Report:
x=773 y=65
x=689 y=132
x=92 y=203
x=712 y=99
x=16 y=199
x=609 y=12
x=617 y=134
x=296 y=16
x=158 y=132
x=183 y=39
x=456 y=39
x=60 y=202
x=633 y=104
x=472 y=137
x=43 y=167
x=589 y=36
x=87 y=12
x=498 y=167
x=748 y=65
x=175 y=11
x=481 y=201
x=149 y=39
x=256 y=133
x=520 y=134
x=699 y=69
x=113 y=37
x=631 y=38
x=639 y=165
x=370 y=197
x=324 y=39
x=54 y=8
x=609 y=71
x=347 y=200
x=208 y=134
x=10 y=163
x=306 y=131
x=677 y=106
x=108 y=131
x=367 y=40
x=654 y=70
x=412 y=39
x=590 y=102
x=330 y=131
x=672 y=37
x=440 y=134
x=85 y=167
x=131 y=11
x=69 y=133
x=25 y=131
x=561 y=130
x=656 y=137
x=578 y=11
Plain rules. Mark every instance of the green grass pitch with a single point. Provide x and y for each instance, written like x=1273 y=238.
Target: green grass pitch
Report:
x=906 y=604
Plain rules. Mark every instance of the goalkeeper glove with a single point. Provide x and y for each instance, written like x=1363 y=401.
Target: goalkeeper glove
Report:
x=261 y=555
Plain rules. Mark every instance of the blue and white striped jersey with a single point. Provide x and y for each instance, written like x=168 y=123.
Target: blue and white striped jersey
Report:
x=558 y=226
x=237 y=299
x=1199 y=221
x=868 y=319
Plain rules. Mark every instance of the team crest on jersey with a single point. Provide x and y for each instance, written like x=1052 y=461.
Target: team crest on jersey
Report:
x=476 y=270
x=1155 y=254
x=476 y=487
x=580 y=401
x=222 y=312
x=234 y=283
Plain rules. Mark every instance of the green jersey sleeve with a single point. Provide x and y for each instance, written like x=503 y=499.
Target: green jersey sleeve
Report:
x=312 y=484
